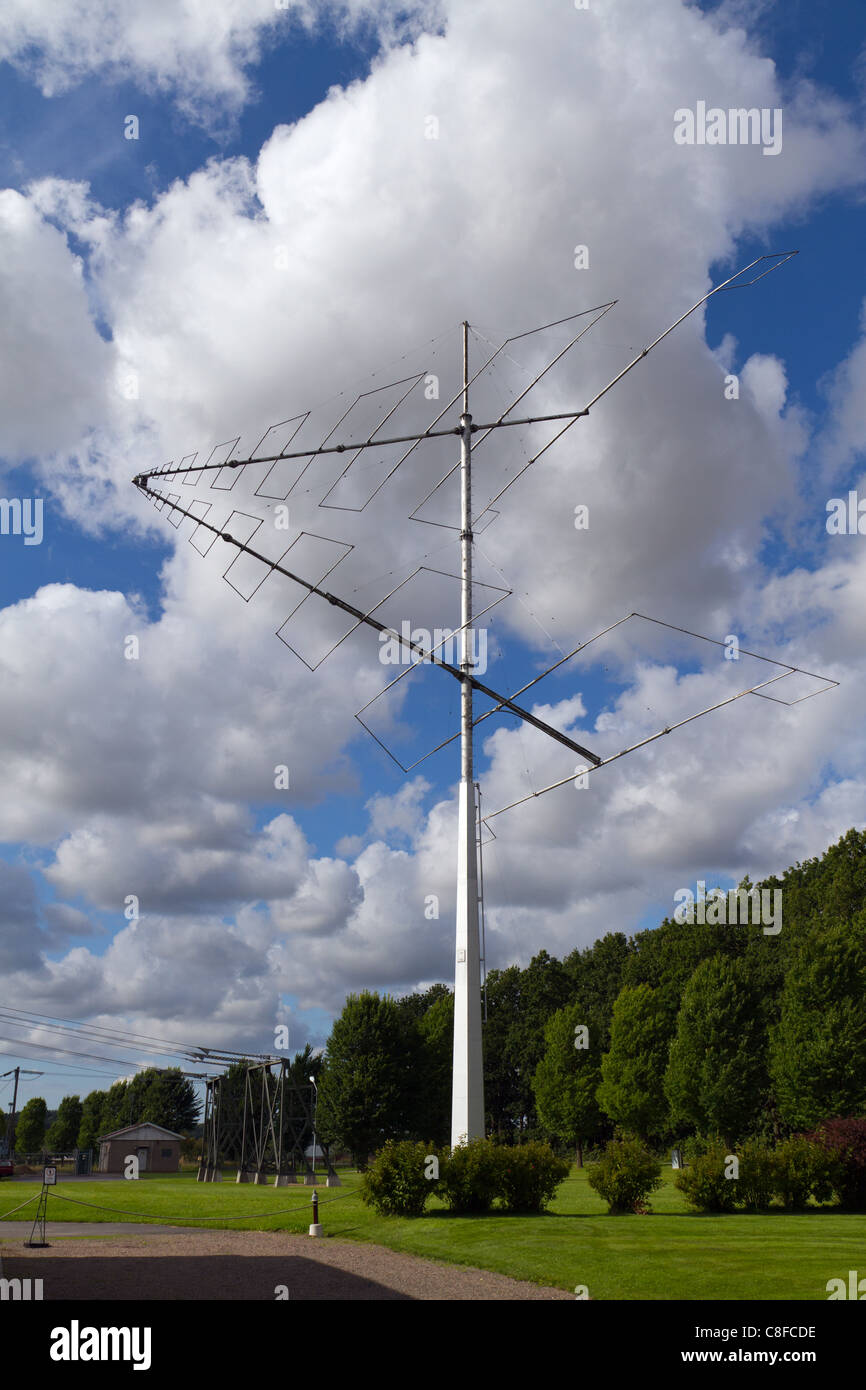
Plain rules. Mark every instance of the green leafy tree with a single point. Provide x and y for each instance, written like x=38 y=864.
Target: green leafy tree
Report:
x=368 y=1087
x=89 y=1130
x=544 y=988
x=596 y=977
x=168 y=1100
x=519 y=1004
x=63 y=1133
x=568 y=1076
x=501 y=1076
x=818 y=1049
x=30 y=1128
x=115 y=1109
x=716 y=1075
x=162 y=1096
x=417 y=1005
x=305 y=1064
x=632 y=1086
x=436 y=1029
x=667 y=956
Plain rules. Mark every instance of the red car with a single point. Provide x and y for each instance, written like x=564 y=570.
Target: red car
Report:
x=6 y=1168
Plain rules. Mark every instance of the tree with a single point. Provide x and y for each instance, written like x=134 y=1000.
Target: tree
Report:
x=417 y=1005
x=501 y=1077
x=30 y=1129
x=168 y=1099
x=632 y=1089
x=519 y=1004
x=716 y=1074
x=818 y=1048
x=161 y=1095
x=89 y=1130
x=436 y=1028
x=115 y=1109
x=567 y=1078
x=63 y=1134
x=667 y=956
x=596 y=977
x=368 y=1086
x=303 y=1065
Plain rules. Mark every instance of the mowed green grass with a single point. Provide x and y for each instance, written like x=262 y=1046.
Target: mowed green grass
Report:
x=673 y=1253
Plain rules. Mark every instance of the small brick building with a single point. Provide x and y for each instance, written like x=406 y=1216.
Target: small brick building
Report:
x=157 y=1149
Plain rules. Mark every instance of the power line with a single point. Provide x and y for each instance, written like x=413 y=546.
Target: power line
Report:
x=91 y=1056
x=82 y=1033
x=48 y=1062
x=98 y=1027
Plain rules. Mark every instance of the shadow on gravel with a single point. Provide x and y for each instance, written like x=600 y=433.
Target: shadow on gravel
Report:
x=181 y=1278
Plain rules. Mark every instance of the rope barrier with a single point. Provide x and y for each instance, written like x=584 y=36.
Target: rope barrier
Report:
x=14 y=1209
x=183 y=1220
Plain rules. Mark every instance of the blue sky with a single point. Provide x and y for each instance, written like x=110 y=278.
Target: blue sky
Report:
x=152 y=778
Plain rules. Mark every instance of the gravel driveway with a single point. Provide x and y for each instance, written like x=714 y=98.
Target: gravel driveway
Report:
x=246 y=1265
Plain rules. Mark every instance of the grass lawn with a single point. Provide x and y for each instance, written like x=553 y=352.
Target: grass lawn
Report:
x=673 y=1253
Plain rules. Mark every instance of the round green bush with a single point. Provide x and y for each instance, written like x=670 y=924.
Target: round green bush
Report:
x=704 y=1184
x=469 y=1178
x=529 y=1176
x=756 y=1185
x=625 y=1175
x=395 y=1183
x=804 y=1169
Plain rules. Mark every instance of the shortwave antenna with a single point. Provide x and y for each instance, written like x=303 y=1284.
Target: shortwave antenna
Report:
x=289 y=466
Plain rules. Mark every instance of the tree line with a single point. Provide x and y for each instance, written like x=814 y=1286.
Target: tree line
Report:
x=162 y=1096
x=679 y=1030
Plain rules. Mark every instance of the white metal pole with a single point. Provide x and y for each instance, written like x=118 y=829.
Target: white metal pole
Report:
x=467 y=1096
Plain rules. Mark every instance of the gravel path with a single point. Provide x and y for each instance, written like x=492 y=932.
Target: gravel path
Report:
x=247 y=1265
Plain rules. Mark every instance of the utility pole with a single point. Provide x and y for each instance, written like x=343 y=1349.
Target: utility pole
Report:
x=14 y=1104
x=10 y=1127
x=467 y=1093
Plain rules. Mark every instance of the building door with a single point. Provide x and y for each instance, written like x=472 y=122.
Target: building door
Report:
x=142 y=1160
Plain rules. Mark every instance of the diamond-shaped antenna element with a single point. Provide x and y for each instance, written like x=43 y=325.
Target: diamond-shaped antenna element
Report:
x=784 y=672
x=499 y=418
x=433 y=641
x=315 y=624
x=282 y=474
x=311 y=630
x=374 y=410
x=377 y=409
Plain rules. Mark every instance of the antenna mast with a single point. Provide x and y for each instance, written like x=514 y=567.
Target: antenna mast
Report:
x=467 y=1085
x=467 y=1109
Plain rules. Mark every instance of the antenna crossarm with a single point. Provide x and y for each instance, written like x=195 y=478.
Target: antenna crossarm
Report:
x=503 y=701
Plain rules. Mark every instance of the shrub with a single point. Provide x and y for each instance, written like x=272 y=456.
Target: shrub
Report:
x=625 y=1175
x=756 y=1185
x=470 y=1176
x=804 y=1169
x=845 y=1140
x=704 y=1184
x=529 y=1175
x=696 y=1145
x=394 y=1184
